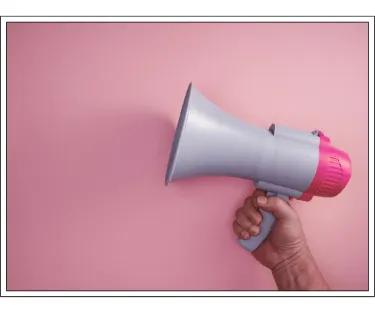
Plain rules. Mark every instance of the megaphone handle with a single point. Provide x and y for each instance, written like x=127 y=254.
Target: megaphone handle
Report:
x=268 y=220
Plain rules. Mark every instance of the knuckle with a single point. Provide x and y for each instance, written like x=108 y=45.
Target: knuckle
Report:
x=257 y=218
x=259 y=192
x=244 y=222
x=253 y=215
x=248 y=200
x=237 y=228
x=255 y=230
x=247 y=210
x=238 y=212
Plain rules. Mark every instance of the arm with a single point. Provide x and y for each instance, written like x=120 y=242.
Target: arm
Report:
x=299 y=272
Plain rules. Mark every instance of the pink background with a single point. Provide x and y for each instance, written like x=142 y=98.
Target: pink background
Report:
x=91 y=115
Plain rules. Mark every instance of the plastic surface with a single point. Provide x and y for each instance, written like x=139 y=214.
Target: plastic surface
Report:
x=211 y=142
x=278 y=189
x=333 y=172
x=268 y=220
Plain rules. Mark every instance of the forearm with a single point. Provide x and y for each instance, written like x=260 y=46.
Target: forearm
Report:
x=299 y=272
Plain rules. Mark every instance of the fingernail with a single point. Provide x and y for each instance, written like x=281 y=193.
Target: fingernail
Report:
x=254 y=231
x=262 y=200
x=259 y=219
x=245 y=235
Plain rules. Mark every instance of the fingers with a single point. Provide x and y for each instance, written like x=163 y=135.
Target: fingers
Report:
x=251 y=213
x=239 y=231
x=250 y=208
x=245 y=233
x=279 y=208
x=247 y=220
x=251 y=199
x=248 y=217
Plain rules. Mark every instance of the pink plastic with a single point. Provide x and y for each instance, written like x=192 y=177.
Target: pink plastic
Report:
x=333 y=172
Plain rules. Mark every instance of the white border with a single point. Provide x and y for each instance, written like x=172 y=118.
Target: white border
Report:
x=190 y=7
x=182 y=19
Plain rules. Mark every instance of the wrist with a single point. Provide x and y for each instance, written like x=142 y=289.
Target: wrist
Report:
x=293 y=259
x=299 y=272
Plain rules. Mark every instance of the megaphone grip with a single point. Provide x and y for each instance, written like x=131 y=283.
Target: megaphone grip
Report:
x=268 y=220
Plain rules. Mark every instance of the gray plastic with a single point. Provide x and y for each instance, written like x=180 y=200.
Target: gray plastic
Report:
x=278 y=189
x=211 y=142
x=268 y=221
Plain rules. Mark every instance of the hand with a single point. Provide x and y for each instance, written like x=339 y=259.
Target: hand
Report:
x=286 y=239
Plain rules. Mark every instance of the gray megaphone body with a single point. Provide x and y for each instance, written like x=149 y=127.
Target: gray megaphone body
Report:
x=283 y=161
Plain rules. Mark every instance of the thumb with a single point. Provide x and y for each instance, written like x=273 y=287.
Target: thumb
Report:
x=277 y=206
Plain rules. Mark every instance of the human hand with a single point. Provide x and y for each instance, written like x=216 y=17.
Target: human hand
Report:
x=286 y=239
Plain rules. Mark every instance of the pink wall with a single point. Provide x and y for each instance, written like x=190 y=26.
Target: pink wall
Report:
x=91 y=114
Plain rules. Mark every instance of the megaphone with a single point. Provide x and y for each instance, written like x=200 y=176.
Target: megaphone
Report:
x=283 y=161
